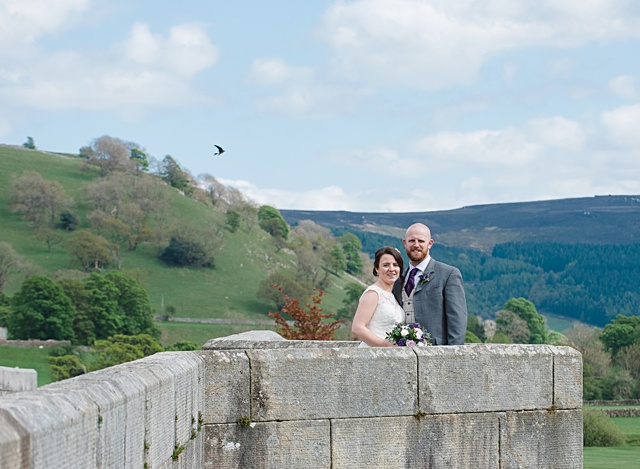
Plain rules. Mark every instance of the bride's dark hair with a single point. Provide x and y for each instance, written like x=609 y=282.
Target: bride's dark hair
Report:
x=387 y=250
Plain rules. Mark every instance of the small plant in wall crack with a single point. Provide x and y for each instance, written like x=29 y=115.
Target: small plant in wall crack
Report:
x=177 y=449
x=245 y=421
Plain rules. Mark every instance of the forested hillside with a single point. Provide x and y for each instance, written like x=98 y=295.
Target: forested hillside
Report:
x=588 y=282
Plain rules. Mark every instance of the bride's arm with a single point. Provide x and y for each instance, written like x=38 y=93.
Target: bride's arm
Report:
x=366 y=307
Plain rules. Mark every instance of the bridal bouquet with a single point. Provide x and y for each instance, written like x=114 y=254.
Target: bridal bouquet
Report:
x=408 y=335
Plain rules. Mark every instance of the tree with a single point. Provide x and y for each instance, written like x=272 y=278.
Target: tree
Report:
x=41 y=310
x=335 y=259
x=278 y=285
x=133 y=306
x=140 y=160
x=353 y=291
x=37 y=198
x=184 y=252
x=351 y=246
x=474 y=325
x=233 y=220
x=500 y=338
x=65 y=367
x=175 y=176
x=102 y=306
x=30 y=144
x=309 y=324
x=109 y=154
x=621 y=332
x=270 y=220
x=68 y=220
x=123 y=348
x=92 y=251
x=10 y=263
x=48 y=236
x=526 y=310
x=83 y=327
x=513 y=326
x=471 y=338
x=596 y=361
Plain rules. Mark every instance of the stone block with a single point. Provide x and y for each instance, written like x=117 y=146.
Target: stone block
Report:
x=55 y=430
x=187 y=369
x=437 y=441
x=541 y=440
x=14 y=442
x=567 y=378
x=17 y=379
x=160 y=410
x=119 y=406
x=267 y=445
x=226 y=385
x=301 y=384
x=270 y=340
x=485 y=378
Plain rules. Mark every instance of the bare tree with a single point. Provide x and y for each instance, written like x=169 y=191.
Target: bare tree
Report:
x=11 y=263
x=216 y=191
x=585 y=339
x=38 y=199
x=110 y=154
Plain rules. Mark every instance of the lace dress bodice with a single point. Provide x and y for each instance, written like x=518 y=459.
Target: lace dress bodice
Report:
x=387 y=313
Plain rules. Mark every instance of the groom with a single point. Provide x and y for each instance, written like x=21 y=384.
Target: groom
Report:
x=431 y=293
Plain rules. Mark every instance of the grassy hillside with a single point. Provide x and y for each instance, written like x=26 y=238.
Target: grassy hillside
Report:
x=226 y=291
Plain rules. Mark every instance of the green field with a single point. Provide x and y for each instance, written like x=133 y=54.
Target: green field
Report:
x=558 y=324
x=29 y=358
x=621 y=457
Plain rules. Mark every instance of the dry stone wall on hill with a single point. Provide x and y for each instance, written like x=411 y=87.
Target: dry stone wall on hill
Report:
x=307 y=404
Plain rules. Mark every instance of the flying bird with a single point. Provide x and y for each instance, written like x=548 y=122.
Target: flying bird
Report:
x=220 y=150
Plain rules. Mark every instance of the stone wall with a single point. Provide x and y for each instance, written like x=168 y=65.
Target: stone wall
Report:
x=17 y=379
x=308 y=404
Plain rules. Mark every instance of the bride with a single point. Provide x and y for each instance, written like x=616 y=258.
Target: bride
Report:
x=378 y=310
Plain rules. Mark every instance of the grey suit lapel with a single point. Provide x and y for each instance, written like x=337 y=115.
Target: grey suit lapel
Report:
x=430 y=268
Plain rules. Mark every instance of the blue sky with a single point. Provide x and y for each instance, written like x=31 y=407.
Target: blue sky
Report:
x=369 y=105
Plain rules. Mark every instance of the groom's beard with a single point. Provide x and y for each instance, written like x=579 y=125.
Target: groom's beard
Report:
x=417 y=256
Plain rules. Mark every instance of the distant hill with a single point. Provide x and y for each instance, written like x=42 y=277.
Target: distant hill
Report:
x=612 y=219
x=575 y=258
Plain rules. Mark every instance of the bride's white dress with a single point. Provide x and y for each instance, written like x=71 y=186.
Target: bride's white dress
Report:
x=387 y=313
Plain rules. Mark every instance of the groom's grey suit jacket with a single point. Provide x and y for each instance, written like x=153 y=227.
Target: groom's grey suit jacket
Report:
x=440 y=305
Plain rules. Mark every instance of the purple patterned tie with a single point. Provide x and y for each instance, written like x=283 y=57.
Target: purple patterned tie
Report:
x=411 y=281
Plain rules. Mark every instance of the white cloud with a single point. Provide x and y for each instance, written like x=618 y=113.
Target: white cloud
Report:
x=144 y=71
x=277 y=71
x=623 y=86
x=326 y=198
x=22 y=22
x=622 y=125
x=434 y=44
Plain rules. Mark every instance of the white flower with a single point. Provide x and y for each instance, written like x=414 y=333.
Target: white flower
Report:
x=421 y=344
x=404 y=332
x=418 y=332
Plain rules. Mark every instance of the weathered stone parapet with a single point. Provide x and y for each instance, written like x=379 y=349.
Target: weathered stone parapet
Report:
x=442 y=441
x=491 y=378
x=473 y=406
x=126 y=416
x=541 y=439
x=271 y=340
x=305 y=384
x=17 y=379
x=272 y=445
